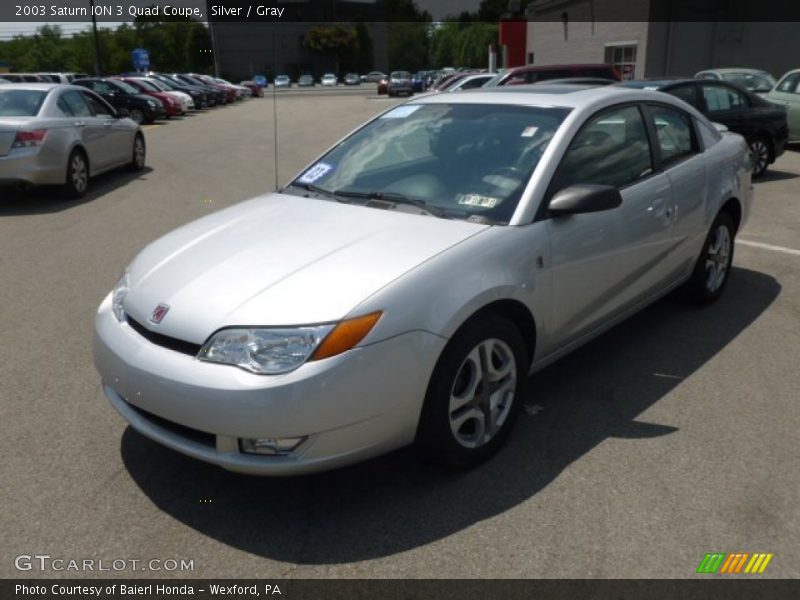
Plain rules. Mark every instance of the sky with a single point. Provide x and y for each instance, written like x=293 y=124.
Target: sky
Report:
x=8 y=29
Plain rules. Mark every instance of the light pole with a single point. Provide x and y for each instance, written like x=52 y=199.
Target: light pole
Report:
x=98 y=68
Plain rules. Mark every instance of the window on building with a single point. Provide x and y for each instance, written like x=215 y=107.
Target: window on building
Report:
x=623 y=58
x=530 y=58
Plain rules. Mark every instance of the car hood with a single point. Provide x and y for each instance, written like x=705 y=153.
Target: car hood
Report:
x=280 y=260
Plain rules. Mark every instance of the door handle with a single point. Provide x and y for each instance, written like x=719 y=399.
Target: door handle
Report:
x=108 y=123
x=79 y=124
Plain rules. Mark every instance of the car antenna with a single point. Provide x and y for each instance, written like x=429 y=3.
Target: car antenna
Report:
x=275 y=106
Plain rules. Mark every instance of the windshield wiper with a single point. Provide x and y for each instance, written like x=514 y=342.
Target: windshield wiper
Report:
x=394 y=198
x=310 y=187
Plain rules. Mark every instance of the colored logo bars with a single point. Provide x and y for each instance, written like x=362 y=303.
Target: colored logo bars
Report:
x=720 y=562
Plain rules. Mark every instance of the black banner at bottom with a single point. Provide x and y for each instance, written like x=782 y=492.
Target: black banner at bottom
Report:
x=409 y=589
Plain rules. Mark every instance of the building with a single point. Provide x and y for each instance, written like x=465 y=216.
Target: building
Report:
x=655 y=38
x=244 y=49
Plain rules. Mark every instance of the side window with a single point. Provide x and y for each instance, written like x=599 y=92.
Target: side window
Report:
x=687 y=93
x=674 y=132
x=789 y=84
x=611 y=149
x=99 y=107
x=64 y=107
x=720 y=97
x=76 y=104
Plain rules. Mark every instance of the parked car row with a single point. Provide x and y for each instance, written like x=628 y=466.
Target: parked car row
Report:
x=327 y=80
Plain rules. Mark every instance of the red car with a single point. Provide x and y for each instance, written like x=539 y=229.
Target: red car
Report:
x=172 y=106
x=256 y=90
x=536 y=73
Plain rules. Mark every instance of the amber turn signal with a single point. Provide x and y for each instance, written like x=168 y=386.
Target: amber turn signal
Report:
x=346 y=335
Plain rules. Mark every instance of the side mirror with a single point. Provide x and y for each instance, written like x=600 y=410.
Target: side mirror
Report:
x=584 y=198
x=122 y=113
x=719 y=127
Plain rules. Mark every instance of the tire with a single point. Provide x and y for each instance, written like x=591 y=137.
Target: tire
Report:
x=453 y=429
x=138 y=153
x=761 y=148
x=137 y=115
x=713 y=267
x=77 y=175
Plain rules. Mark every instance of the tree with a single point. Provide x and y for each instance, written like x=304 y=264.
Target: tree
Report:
x=339 y=41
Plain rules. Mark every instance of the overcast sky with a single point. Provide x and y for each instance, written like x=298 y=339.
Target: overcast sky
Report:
x=438 y=8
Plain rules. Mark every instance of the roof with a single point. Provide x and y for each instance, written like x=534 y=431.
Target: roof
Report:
x=655 y=84
x=735 y=70
x=568 y=96
x=44 y=87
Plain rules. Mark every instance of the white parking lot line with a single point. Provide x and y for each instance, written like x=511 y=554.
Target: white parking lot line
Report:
x=768 y=247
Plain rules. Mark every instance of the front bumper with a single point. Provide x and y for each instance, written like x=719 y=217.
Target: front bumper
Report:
x=359 y=404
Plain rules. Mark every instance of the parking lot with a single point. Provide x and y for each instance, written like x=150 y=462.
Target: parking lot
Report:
x=673 y=435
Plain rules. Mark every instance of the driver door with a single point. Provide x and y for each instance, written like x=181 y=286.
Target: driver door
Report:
x=606 y=262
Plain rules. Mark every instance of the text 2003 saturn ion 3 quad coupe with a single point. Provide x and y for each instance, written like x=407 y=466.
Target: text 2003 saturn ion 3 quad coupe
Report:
x=403 y=286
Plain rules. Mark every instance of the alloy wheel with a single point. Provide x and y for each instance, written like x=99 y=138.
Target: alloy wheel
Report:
x=482 y=393
x=760 y=151
x=79 y=175
x=718 y=258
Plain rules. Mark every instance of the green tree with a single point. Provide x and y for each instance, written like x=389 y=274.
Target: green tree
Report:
x=337 y=40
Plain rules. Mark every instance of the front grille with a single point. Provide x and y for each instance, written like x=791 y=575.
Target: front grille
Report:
x=162 y=340
x=194 y=435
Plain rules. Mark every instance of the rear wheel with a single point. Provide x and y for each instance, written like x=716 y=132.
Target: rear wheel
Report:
x=474 y=394
x=77 y=174
x=762 y=154
x=714 y=265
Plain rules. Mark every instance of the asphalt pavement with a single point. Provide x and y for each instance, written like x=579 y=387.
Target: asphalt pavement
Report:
x=673 y=435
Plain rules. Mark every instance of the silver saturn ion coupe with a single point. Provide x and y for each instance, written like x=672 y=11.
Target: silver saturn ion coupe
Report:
x=52 y=134
x=402 y=287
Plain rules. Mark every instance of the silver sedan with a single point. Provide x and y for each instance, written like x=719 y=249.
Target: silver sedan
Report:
x=53 y=134
x=401 y=288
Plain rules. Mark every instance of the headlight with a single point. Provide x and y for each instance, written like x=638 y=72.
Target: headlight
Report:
x=152 y=104
x=271 y=351
x=118 y=296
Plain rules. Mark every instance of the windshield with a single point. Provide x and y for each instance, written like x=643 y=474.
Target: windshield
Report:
x=125 y=87
x=751 y=81
x=21 y=103
x=465 y=161
x=160 y=85
x=147 y=85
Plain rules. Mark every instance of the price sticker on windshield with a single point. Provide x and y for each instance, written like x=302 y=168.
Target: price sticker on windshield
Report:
x=401 y=112
x=318 y=171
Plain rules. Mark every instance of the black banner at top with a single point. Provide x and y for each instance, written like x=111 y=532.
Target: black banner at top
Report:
x=317 y=11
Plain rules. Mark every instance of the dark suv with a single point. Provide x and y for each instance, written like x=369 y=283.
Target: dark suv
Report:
x=120 y=95
x=535 y=74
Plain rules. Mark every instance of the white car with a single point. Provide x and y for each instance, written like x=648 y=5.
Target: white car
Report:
x=403 y=286
x=329 y=79
x=187 y=102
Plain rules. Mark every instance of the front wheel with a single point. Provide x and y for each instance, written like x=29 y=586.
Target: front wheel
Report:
x=713 y=267
x=474 y=394
x=137 y=116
